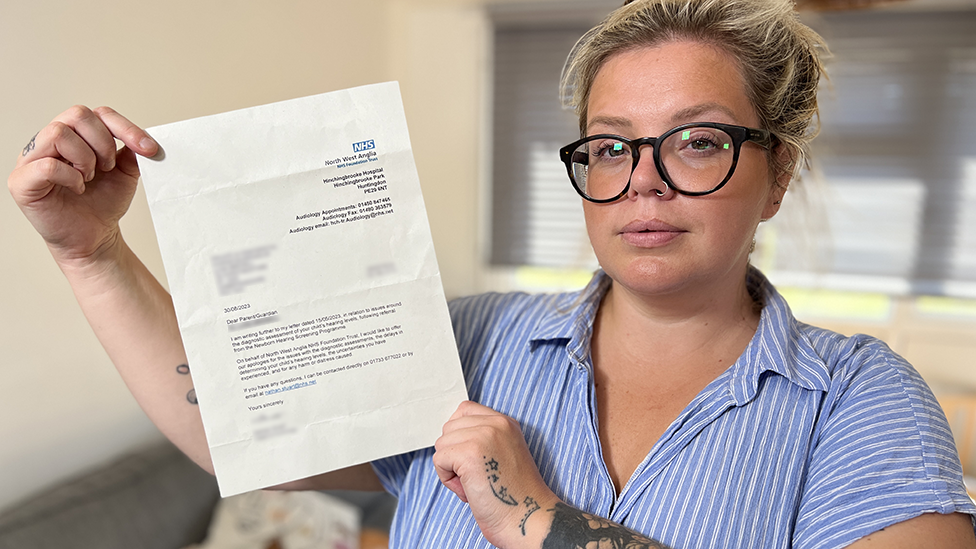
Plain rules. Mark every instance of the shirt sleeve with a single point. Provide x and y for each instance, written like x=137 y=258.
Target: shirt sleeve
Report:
x=392 y=471
x=883 y=453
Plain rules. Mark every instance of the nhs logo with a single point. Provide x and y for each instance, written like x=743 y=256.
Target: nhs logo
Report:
x=363 y=146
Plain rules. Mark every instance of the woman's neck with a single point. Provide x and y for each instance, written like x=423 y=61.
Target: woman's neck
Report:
x=710 y=326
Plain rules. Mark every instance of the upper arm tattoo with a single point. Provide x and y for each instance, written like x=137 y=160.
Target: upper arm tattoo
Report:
x=191 y=396
x=574 y=529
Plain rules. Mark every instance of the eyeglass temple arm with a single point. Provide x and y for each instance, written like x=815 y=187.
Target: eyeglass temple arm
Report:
x=762 y=138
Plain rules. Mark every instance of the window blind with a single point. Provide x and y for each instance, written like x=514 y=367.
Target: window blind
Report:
x=537 y=218
x=890 y=205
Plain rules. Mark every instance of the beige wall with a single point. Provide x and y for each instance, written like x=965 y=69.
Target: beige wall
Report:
x=63 y=407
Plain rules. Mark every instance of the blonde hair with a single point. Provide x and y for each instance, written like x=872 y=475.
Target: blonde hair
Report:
x=778 y=56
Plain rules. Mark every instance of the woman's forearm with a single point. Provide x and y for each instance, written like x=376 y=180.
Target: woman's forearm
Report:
x=133 y=317
x=571 y=528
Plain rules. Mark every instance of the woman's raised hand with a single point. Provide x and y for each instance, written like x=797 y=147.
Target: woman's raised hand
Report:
x=74 y=184
x=482 y=457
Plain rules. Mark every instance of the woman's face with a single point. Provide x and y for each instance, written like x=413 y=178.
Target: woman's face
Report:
x=658 y=245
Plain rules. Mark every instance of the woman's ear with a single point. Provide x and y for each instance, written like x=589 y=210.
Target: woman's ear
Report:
x=782 y=167
x=774 y=200
x=784 y=163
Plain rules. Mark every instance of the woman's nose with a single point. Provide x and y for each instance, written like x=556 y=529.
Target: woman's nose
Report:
x=647 y=181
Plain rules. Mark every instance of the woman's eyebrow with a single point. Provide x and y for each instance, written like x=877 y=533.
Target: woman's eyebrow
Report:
x=612 y=121
x=689 y=114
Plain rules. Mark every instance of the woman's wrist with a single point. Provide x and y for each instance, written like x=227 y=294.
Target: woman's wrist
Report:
x=113 y=284
x=529 y=521
x=109 y=260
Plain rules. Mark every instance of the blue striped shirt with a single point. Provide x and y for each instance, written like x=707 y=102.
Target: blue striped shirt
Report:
x=810 y=440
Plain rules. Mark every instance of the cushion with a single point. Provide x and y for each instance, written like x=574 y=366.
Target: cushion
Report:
x=155 y=498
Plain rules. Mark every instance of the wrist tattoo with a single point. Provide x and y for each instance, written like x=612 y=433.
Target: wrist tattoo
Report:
x=30 y=145
x=533 y=506
x=574 y=529
x=183 y=369
x=501 y=492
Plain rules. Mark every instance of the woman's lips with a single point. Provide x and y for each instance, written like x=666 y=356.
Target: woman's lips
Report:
x=649 y=234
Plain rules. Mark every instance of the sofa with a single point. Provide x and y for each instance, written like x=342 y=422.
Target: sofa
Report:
x=153 y=498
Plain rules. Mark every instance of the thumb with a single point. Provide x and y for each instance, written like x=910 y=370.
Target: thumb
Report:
x=125 y=161
x=455 y=486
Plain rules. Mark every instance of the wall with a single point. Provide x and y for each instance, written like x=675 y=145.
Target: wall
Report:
x=63 y=407
x=438 y=54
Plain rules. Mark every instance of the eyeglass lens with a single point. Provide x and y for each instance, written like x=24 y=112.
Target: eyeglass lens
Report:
x=695 y=160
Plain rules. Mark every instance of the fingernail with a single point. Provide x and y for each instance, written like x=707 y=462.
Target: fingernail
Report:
x=147 y=143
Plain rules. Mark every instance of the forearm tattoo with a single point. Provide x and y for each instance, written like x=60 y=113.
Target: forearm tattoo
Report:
x=30 y=145
x=574 y=529
x=571 y=528
x=191 y=396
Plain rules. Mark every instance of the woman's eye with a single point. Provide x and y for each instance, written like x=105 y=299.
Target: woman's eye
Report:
x=701 y=144
x=612 y=149
x=701 y=141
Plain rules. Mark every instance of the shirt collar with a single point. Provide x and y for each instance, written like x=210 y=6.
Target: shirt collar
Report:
x=572 y=317
x=779 y=345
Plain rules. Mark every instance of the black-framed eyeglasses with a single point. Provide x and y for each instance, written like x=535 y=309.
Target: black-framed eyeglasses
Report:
x=693 y=159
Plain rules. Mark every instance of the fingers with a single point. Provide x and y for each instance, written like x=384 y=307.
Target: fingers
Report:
x=469 y=408
x=128 y=133
x=461 y=438
x=450 y=463
x=34 y=181
x=445 y=473
x=71 y=151
x=471 y=415
x=86 y=128
x=472 y=432
x=85 y=139
x=60 y=140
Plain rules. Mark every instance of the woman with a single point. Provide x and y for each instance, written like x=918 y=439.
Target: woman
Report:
x=675 y=395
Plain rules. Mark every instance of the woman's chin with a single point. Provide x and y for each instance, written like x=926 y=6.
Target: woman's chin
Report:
x=650 y=276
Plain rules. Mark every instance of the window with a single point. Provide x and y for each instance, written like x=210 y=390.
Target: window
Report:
x=537 y=218
x=897 y=156
x=890 y=207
